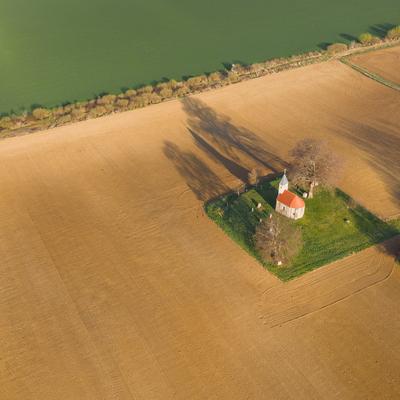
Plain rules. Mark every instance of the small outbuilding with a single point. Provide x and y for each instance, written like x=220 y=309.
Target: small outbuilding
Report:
x=287 y=203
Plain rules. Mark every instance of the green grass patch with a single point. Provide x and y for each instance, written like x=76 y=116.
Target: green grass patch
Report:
x=333 y=227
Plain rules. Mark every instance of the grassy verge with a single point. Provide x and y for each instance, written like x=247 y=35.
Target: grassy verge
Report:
x=333 y=227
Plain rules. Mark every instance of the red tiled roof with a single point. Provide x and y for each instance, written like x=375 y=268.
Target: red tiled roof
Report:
x=290 y=199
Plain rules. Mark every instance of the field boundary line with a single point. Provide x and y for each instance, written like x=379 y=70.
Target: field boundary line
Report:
x=369 y=74
x=389 y=273
x=336 y=301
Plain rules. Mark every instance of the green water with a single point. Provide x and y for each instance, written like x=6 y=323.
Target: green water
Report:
x=53 y=51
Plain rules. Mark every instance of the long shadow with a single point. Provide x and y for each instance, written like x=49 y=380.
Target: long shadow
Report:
x=348 y=37
x=380 y=30
x=199 y=178
x=233 y=167
x=382 y=147
x=230 y=140
x=268 y=192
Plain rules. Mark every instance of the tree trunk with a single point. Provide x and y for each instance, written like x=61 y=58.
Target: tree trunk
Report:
x=311 y=192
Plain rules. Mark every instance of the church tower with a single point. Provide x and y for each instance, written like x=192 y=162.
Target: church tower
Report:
x=283 y=184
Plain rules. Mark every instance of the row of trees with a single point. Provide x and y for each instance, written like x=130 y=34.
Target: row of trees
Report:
x=313 y=165
x=41 y=118
x=365 y=39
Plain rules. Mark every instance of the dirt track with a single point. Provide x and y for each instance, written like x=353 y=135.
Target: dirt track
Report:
x=385 y=63
x=114 y=285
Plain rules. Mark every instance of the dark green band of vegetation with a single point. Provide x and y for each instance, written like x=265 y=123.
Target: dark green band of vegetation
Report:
x=56 y=51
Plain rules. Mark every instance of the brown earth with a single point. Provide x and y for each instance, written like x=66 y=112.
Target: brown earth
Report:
x=385 y=63
x=115 y=285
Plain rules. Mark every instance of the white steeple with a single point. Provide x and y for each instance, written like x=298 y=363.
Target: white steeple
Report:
x=283 y=184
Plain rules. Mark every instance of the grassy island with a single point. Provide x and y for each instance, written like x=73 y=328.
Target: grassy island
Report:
x=333 y=227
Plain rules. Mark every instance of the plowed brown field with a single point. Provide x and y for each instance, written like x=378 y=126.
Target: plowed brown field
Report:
x=115 y=285
x=385 y=63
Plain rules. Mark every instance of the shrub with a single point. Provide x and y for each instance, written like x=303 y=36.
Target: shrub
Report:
x=68 y=108
x=41 y=113
x=182 y=91
x=130 y=93
x=78 y=113
x=253 y=176
x=58 y=112
x=173 y=84
x=160 y=86
x=154 y=98
x=366 y=38
x=215 y=77
x=97 y=111
x=140 y=101
x=122 y=103
x=107 y=99
x=257 y=68
x=394 y=33
x=166 y=93
x=6 y=123
x=64 y=119
x=336 y=48
x=197 y=82
x=145 y=89
x=233 y=77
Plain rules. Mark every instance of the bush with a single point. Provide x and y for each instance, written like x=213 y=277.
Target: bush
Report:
x=97 y=111
x=68 y=108
x=394 y=33
x=166 y=93
x=154 y=98
x=58 y=112
x=78 y=113
x=197 y=82
x=257 y=68
x=215 y=77
x=336 y=48
x=107 y=99
x=160 y=86
x=140 y=101
x=173 y=84
x=122 y=103
x=41 y=113
x=6 y=123
x=145 y=89
x=130 y=93
x=64 y=119
x=233 y=77
x=366 y=38
x=182 y=91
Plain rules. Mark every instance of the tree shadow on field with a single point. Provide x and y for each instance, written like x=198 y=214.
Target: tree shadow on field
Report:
x=348 y=37
x=226 y=142
x=380 y=30
x=233 y=167
x=382 y=147
x=324 y=45
x=203 y=182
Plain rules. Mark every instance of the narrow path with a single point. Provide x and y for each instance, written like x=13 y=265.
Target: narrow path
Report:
x=369 y=74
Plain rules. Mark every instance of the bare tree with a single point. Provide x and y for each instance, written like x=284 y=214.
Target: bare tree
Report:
x=253 y=177
x=314 y=163
x=277 y=239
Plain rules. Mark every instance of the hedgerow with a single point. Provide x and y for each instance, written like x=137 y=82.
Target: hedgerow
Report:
x=42 y=118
